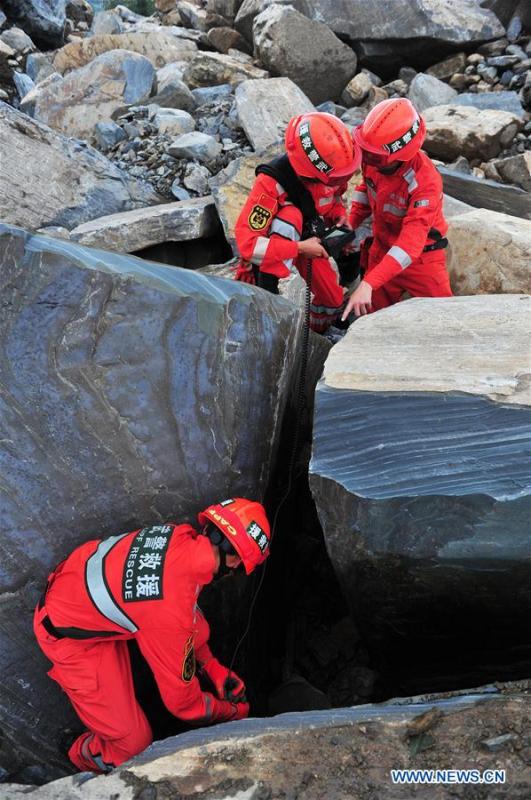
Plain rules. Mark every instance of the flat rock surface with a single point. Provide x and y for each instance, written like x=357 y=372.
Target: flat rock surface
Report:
x=159 y=47
x=481 y=344
x=265 y=108
x=133 y=230
x=340 y=754
x=70 y=182
x=125 y=389
x=489 y=253
x=487 y=194
x=420 y=474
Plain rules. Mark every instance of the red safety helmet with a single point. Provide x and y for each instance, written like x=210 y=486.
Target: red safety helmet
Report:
x=393 y=129
x=245 y=525
x=319 y=146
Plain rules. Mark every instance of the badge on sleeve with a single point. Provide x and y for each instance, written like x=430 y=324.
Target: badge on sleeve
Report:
x=261 y=213
x=188 y=660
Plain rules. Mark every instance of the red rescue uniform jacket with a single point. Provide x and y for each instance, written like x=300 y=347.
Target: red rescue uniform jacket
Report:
x=406 y=208
x=270 y=242
x=144 y=585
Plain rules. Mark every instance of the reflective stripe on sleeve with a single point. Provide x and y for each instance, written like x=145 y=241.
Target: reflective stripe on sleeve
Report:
x=285 y=229
x=361 y=197
x=411 y=180
x=398 y=212
x=400 y=255
x=97 y=588
x=259 y=251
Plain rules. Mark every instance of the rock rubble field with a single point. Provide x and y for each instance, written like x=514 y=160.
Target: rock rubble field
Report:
x=132 y=391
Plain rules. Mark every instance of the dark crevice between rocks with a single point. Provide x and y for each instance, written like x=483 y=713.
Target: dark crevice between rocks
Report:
x=189 y=255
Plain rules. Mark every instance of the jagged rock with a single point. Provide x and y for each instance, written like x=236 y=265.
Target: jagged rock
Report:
x=27 y=104
x=196 y=178
x=489 y=253
x=286 y=42
x=3 y=20
x=356 y=90
x=80 y=11
x=39 y=66
x=266 y=106
x=172 y=92
x=420 y=476
x=23 y=83
x=70 y=182
x=194 y=16
x=107 y=23
x=131 y=231
x=426 y=91
x=225 y=8
x=178 y=192
x=159 y=47
x=212 y=69
x=18 y=40
x=95 y=93
x=454 y=130
x=224 y=39
x=211 y=94
x=173 y=121
x=108 y=134
x=516 y=170
x=43 y=20
x=497 y=101
x=124 y=384
x=249 y=9
x=487 y=193
x=446 y=68
x=267 y=758
x=196 y=145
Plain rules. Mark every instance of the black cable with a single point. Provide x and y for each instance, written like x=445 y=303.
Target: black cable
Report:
x=299 y=407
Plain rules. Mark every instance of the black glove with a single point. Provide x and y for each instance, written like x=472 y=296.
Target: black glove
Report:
x=268 y=282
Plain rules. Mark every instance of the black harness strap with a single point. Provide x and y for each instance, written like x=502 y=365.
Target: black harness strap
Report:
x=440 y=241
x=281 y=170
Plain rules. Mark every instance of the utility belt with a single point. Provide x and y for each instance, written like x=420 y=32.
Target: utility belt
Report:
x=66 y=633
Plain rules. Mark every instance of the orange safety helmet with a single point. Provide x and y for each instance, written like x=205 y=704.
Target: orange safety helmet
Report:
x=244 y=523
x=319 y=146
x=393 y=129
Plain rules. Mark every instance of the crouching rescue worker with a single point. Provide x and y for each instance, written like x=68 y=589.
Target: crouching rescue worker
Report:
x=403 y=191
x=293 y=199
x=144 y=585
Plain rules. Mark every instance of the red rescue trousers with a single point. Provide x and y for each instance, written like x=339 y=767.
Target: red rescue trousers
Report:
x=96 y=676
x=327 y=295
x=427 y=276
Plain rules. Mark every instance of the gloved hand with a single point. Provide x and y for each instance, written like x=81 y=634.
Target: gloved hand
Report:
x=241 y=711
x=227 y=684
x=245 y=275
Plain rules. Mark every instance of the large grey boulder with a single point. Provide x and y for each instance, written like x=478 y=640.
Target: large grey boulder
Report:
x=131 y=231
x=159 y=47
x=420 y=473
x=124 y=388
x=426 y=91
x=448 y=23
x=498 y=101
x=277 y=757
x=196 y=145
x=43 y=20
x=515 y=169
x=249 y=9
x=95 y=93
x=266 y=106
x=291 y=45
x=454 y=130
x=489 y=253
x=70 y=182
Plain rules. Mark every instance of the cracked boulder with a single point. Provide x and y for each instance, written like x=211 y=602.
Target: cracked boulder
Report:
x=420 y=473
x=44 y=20
x=70 y=182
x=125 y=391
x=489 y=253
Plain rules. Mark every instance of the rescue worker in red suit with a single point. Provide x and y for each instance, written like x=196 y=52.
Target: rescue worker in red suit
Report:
x=320 y=158
x=144 y=585
x=402 y=191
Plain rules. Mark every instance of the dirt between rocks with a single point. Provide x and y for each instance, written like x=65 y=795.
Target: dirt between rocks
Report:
x=353 y=762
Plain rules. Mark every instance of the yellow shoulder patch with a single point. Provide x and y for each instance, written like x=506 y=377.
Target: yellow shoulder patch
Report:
x=259 y=218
